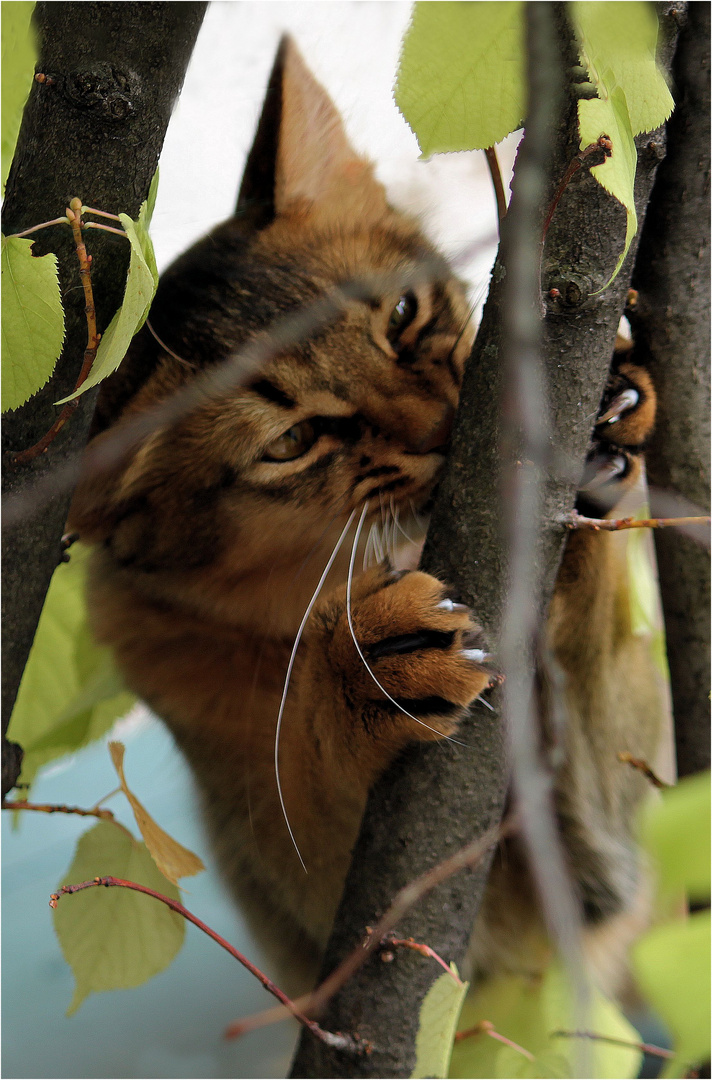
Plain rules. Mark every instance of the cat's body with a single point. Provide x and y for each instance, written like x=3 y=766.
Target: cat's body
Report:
x=215 y=532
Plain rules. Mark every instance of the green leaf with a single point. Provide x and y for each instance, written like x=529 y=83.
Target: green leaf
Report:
x=141 y=284
x=70 y=693
x=617 y=174
x=439 y=1014
x=19 y=55
x=142 y=226
x=115 y=938
x=32 y=321
x=618 y=46
x=672 y=967
x=529 y=1012
x=676 y=831
x=460 y=79
x=618 y=43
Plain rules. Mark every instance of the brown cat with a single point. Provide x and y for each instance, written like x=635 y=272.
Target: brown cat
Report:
x=212 y=536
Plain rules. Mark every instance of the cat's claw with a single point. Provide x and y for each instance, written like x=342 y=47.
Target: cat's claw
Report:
x=450 y=605
x=620 y=404
x=417 y=649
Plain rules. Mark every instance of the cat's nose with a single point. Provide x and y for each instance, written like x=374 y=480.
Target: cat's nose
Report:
x=439 y=437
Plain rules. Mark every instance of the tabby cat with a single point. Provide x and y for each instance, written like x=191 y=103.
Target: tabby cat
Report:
x=211 y=537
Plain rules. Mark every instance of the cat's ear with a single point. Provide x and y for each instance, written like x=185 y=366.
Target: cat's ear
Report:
x=301 y=161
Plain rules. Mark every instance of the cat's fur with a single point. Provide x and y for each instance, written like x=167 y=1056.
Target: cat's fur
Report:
x=208 y=549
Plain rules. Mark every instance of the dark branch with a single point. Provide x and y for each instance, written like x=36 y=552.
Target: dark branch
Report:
x=437 y=798
x=672 y=275
x=106 y=102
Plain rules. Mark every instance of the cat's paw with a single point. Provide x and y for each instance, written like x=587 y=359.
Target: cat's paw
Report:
x=625 y=420
x=410 y=659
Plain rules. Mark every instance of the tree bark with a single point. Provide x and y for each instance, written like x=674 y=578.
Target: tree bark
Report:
x=94 y=130
x=672 y=275
x=437 y=798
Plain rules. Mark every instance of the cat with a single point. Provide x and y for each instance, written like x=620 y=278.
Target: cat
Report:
x=211 y=536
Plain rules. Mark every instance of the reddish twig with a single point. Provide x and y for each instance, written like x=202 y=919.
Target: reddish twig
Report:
x=104 y=228
x=50 y=808
x=344 y=1042
x=605 y=146
x=35 y=228
x=99 y=213
x=486 y=1027
x=574 y=520
x=419 y=947
x=496 y=174
x=405 y=899
x=74 y=217
x=642 y=766
x=645 y=1048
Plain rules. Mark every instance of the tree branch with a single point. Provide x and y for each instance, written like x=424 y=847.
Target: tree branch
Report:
x=103 y=104
x=436 y=798
x=672 y=321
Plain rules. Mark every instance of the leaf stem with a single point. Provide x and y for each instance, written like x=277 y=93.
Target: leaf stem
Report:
x=335 y=1039
x=99 y=213
x=74 y=218
x=604 y=145
x=574 y=520
x=486 y=1027
x=496 y=174
x=646 y=1048
x=642 y=766
x=51 y=808
x=43 y=225
x=424 y=950
x=104 y=228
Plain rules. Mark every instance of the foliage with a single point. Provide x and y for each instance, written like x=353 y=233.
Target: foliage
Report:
x=172 y=859
x=530 y=1012
x=672 y=961
x=70 y=692
x=18 y=62
x=461 y=82
x=32 y=321
x=115 y=938
x=141 y=282
x=437 y=1024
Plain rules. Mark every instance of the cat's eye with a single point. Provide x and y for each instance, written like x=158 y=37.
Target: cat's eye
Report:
x=402 y=316
x=293 y=443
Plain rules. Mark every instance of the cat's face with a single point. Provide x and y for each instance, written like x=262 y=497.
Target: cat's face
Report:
x=357 y=409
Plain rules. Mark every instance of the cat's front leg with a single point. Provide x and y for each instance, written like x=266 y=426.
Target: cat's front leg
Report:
x=404 y=659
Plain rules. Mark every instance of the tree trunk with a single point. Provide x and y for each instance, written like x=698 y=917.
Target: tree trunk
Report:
x=672 y=275
x=435 y=799
x=94 y=130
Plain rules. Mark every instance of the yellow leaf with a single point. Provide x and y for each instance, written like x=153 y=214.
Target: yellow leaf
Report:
x=172 y=859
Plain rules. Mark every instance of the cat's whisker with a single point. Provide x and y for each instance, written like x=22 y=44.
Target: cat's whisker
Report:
x=383 y=690
x=288 y=676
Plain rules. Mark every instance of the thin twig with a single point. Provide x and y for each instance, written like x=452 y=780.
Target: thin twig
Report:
x=52 y=808
x=74 y=217
x=344 y=1042
x=104 y=228
x=496 y=174
x=642 y=766
x=605 y=146
x=424 y=950
x=35 y=228
x=645 y=1048
x=314 y=1002
x=575 y=520
x=100 y=213
x=486 y=1027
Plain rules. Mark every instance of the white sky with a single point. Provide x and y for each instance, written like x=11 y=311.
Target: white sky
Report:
x=352 y=47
